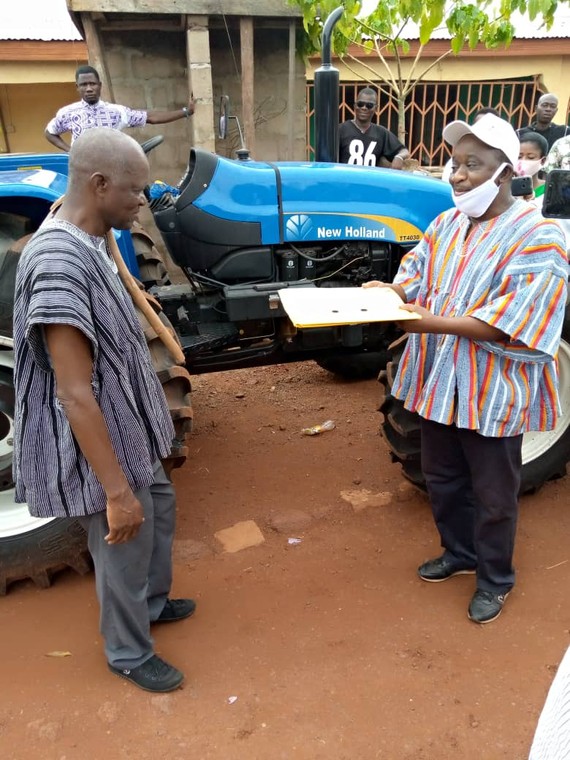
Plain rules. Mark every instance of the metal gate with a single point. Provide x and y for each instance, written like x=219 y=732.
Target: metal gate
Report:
x=431 y=105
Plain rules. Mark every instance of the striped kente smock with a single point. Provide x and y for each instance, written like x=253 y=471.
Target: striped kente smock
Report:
x=509 y=272
x=65 y=277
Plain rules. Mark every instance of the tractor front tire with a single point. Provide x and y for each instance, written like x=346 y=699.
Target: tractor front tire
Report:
x=360 y=366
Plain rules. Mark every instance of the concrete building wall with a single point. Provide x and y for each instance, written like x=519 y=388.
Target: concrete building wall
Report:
x=149 y=71
x=271 y=93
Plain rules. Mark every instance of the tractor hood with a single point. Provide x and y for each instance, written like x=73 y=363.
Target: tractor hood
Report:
x=252 y=202
x=323 y=201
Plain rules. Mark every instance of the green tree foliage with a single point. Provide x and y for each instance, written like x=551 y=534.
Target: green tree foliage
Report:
x=382 y=34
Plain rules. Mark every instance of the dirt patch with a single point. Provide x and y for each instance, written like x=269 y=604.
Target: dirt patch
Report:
x=320 y=642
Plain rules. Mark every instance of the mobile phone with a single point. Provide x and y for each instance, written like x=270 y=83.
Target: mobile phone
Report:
x=521 y=185
x=556 y=202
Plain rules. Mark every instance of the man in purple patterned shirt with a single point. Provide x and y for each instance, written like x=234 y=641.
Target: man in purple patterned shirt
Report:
x=91 y=112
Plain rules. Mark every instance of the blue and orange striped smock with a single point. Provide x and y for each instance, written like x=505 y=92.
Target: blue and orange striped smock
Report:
x=510 y=272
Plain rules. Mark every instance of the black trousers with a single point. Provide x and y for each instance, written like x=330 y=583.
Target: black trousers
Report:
x=473 y=483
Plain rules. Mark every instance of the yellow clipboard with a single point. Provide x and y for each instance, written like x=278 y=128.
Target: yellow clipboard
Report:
x=325 y=307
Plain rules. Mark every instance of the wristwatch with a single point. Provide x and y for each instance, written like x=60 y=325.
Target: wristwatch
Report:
x=186 y=111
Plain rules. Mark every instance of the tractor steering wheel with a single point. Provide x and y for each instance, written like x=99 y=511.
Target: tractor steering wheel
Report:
x=148 y=145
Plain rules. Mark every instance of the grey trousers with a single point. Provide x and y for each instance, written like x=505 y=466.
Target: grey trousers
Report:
x=133 y=579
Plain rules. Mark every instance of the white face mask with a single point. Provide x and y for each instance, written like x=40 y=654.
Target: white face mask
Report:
x=529 y=166
x=475 y=202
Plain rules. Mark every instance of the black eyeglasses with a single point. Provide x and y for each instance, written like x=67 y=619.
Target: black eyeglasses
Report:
x=365 y=104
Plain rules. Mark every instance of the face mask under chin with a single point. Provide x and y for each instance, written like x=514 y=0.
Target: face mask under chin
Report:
x=476 y=202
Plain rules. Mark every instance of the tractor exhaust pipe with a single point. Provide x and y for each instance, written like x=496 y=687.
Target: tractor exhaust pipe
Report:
x=327 y=97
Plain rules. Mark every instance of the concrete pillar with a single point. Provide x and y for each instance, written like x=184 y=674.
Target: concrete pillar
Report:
x=200 y=81
x=247 y=89
x=97 y=57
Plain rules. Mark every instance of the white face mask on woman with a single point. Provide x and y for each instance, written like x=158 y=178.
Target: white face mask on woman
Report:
x=529 y=166
x=475 y=202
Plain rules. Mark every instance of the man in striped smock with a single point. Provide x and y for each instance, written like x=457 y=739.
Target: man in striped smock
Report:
x=489 y=282
x=91 y=420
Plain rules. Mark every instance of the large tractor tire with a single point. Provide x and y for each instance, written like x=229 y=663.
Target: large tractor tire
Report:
x=29 y=547
x=176 y=384
x=544 y=455
x=36 y=549
x=152 y=270
x=361 y=366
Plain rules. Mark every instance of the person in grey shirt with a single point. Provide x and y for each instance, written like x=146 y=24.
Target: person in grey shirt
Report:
x=91 y=419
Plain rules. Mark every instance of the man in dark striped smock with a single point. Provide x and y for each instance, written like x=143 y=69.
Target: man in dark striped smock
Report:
x=91 y=421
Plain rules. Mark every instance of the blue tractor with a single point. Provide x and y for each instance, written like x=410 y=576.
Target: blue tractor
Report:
x=244 y=231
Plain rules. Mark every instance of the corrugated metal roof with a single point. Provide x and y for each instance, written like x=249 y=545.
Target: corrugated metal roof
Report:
x=43 y=20
x=49 y=20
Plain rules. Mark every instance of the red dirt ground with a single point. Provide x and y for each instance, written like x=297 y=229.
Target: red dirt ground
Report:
x=333 y=647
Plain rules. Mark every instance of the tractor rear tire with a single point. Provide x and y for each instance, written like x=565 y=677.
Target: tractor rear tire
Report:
x=152 y=270
x=544 y=455
x=176 y=384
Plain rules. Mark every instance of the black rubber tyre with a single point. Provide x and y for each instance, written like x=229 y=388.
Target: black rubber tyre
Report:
x=545 y=455
x=362 y=366
x=30 y=548
x=177 y=386
x=149 y=259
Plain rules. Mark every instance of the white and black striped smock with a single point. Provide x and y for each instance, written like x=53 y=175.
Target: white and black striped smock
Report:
x=65 y=277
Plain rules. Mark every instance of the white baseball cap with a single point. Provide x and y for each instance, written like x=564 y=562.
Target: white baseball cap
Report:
x=491 y=130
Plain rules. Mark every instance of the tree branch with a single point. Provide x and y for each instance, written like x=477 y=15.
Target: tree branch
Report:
x=390 y=78
x=411 y=84
x=373 y=82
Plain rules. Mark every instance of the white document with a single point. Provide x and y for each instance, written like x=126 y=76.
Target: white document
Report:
x=323 y=307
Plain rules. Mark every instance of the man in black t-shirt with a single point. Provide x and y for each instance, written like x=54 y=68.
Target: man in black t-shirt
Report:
x=546 y=109
x=365 y=144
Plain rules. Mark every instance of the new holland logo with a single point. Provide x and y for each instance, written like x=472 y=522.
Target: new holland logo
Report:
x=299 y=227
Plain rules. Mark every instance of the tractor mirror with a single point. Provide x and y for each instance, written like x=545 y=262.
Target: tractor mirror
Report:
x=224 y=117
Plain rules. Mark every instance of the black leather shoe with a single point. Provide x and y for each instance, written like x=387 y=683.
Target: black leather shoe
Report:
x=486 y=606
x=153 y=675
x=440 y=569
x=176 y=609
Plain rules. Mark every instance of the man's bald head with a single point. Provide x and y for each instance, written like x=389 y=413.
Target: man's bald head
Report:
x=108 y=172
x=546 y=109
x=548 y=97
x=103 y=150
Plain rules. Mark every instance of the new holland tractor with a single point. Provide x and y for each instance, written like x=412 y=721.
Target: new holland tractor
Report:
x=243 y=231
